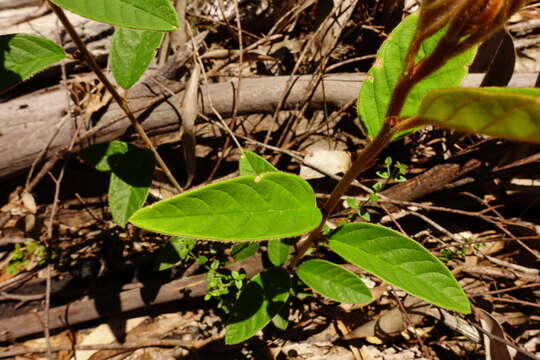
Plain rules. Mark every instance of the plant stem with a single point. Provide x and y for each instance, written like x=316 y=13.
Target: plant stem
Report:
x=402 y=89
x=122 y=102
x=364 y=160
x=412 y=74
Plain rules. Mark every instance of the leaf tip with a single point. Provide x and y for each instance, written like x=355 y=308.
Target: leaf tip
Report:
x=134 y=218
x=465 y=306
x=175 y=25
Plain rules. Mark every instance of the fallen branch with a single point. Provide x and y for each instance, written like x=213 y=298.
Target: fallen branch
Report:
x=92 y=309
x=33 y=350
x=14 y=4
x=29 y=122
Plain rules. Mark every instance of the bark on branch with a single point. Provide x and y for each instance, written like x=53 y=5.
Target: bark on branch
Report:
x=114 y=304
x=38 y=121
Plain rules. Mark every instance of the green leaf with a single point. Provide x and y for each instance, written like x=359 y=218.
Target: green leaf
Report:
x=353 y=203
x=244 y=250
x=23 y=55
x=333 y=281
x=132 y=52
x=175 y=250
x=165 y=258
x=281 y=320
x=260 y=300
x=382 y=77
x=132 y=170
x=131 y=178
x=269 y=206
x=499 y=112
x=278 y=252
x=182 y=246
x=253 y=164
x=156 y=15
x=400 y=261
x=98 y=155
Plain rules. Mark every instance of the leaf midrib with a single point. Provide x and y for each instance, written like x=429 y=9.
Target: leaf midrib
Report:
x=427 y=284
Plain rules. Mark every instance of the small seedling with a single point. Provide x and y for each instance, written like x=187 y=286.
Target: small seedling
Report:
x=26 y=256
x=223 y=288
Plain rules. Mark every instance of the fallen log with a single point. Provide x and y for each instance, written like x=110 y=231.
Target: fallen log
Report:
x=35 y=122
x=14 y=4
x=114 y=304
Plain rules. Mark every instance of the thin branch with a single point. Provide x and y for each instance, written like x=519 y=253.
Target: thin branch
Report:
x=240 y=64
x=210 y=102
x=54 y=209
x=122 y=102
x=20 y=297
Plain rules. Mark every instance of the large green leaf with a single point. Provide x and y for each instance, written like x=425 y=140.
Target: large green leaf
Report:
x=400 y=261
x=23 y=55
x=156 y=15
x=269 y=206
x=500 y=112
x=253 y=164
x=278 y=252
x=333 y=281
x=382 y=77
x=131 y=178
x=132 y=52
x=260 y=300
